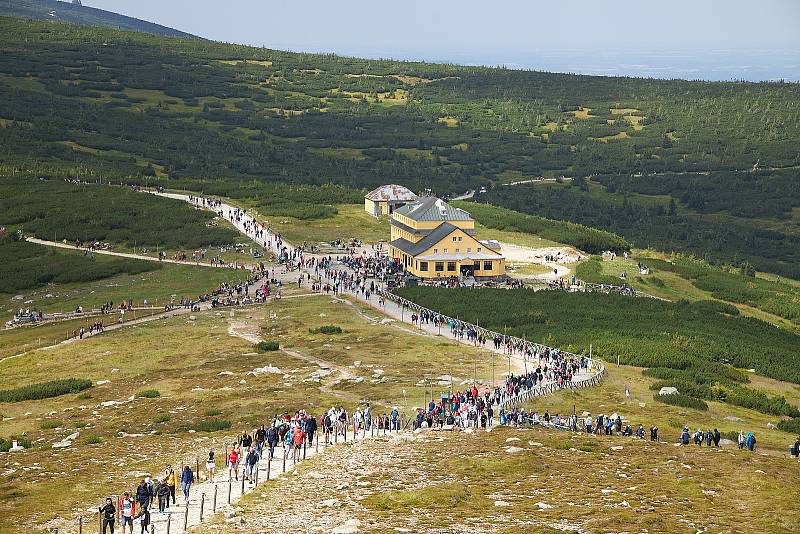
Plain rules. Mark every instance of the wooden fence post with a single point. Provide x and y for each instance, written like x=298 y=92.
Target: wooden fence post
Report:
x=197 y=468
x=202 y=505
x=269 y=464
x=229 y=489
x=304 y=449
x=186 y=518
x=214 y=503
x=80 y=524
x=242 y=493
x=257 y=470
x=284 y=460
x=169 y=520
x=317 y=441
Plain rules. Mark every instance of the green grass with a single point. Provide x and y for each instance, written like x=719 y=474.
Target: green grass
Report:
x=682 y=335
x=148 y=394
x=156 y=287
x=44 y=390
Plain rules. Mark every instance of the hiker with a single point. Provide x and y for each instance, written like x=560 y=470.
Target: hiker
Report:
x=109 y=513
x=794 y=451
x=142 y=495
x=144 y=520
x=187 y=479
x=251 y=465
x=127 y=510
x=233 y=462
x=211 y=465
x=751 y=441
x=171 y=483
x=717 y=437
x=311 y=427
x=272 y=440
x=741 y=440
x=685 y=436
x=162 y=493
x=709 y=437
x=246 y=441
x=261 y=437
x=653 y=433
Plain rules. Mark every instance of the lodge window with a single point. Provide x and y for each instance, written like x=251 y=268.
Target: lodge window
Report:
x=445 y=251
x=436 y=251
x=439 y=266
x=487 y=266
x=451 y=266
x=469 y=249
x=458 y=250
x=423 y=266
x=477 y=265
x=479 y=249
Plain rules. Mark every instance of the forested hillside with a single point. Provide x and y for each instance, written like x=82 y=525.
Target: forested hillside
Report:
x=63 y=11
x=667 y=164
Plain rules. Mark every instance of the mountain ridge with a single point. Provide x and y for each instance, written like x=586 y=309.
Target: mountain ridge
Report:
x=84 y=15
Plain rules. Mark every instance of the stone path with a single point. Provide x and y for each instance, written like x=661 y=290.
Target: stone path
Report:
x=202 y=494
x=59 y=244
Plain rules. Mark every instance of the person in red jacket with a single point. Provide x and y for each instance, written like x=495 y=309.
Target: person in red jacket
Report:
x=233 y=462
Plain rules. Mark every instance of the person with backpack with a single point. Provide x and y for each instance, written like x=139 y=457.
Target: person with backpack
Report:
x=717 y=437
x=171 y=483
x=685 y=436
x=250 y=465
x=108 y=512
x=162 y=493
x=741 y=440
x=751 y=441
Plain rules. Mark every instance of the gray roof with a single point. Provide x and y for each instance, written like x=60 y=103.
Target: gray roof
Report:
x=432 y=209
x=413 y=249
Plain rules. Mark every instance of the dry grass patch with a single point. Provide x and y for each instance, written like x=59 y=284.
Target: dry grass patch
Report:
x=583 y=114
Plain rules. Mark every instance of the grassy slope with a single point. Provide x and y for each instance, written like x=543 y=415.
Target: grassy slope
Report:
x=177 y=355
x=450 y=482
x=84 y=15
x=157 y=287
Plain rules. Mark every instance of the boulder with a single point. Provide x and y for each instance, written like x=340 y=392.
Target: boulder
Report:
x=668 y=391
x=348 y=527
x=502 y=503
x=101 y=382
x=514 y=450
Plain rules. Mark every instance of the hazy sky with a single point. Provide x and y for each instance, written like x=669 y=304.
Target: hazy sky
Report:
x=482 y=31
